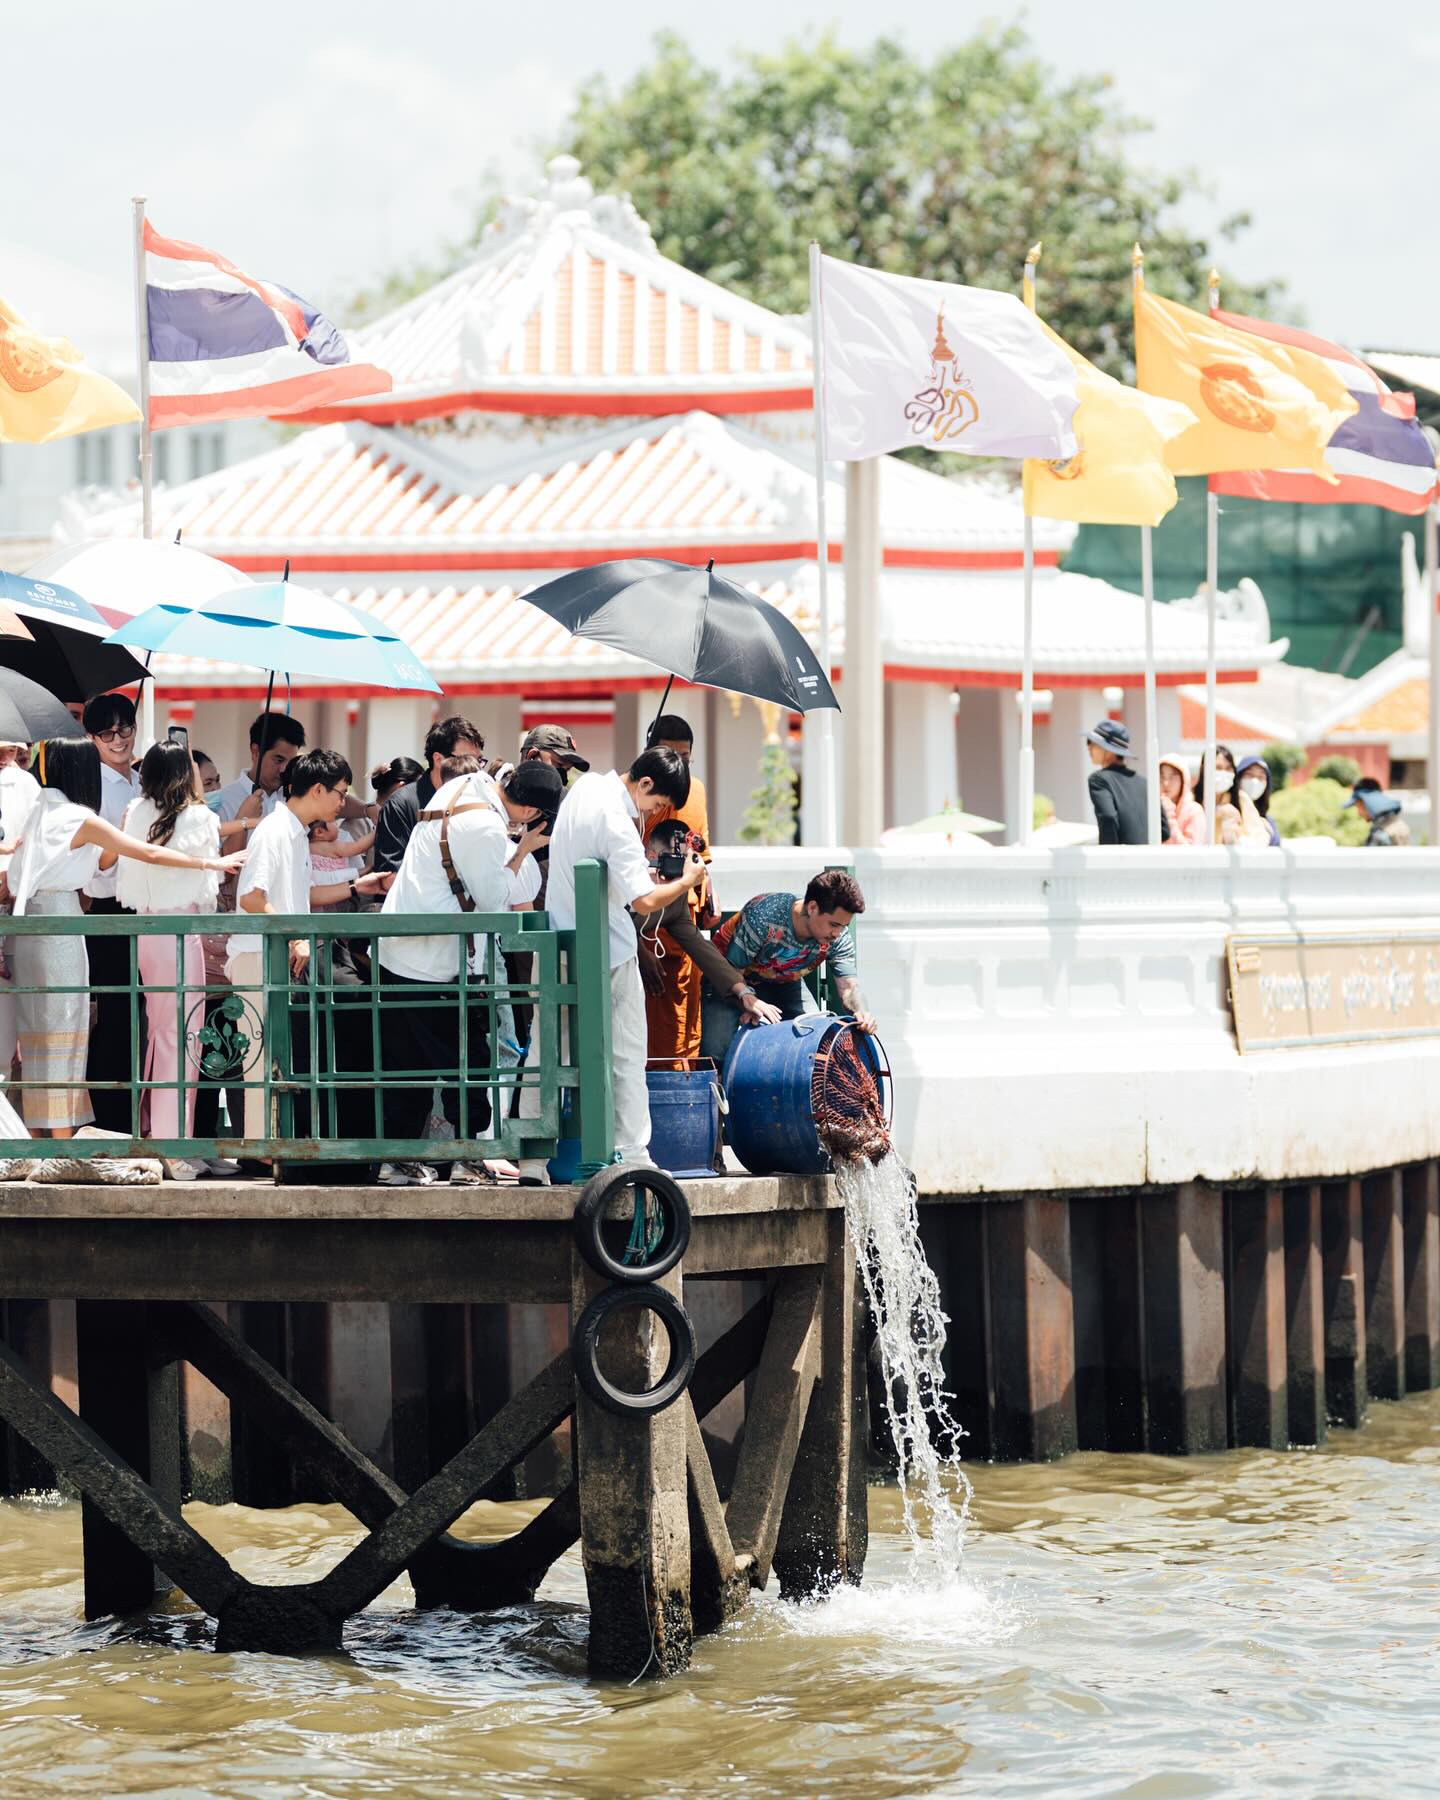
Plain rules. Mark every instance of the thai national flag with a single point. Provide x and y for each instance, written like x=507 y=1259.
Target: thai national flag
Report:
x=1380 y=453
x=226 y=346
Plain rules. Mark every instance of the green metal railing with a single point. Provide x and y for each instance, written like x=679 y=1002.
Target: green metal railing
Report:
x=317 y=1050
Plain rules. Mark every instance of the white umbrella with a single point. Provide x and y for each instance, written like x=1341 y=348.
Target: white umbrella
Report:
x=121 y=577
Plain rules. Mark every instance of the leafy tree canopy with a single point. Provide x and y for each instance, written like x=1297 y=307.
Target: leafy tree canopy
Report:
x=948 y=168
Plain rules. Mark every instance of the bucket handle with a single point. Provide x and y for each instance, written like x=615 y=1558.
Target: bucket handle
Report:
x=720 y=1100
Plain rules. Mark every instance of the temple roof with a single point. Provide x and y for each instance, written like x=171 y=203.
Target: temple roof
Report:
x=567 y=307
x=357 y=497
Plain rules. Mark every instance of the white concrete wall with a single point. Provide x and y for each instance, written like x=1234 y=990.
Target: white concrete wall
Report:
x=922 y=763
x=1058 y=1020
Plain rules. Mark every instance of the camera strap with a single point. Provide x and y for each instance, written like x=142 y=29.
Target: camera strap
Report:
x=447 y=862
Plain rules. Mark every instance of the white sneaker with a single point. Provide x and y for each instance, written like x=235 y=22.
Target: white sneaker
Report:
x=177 y=1169
x=224 y=1168
x=465 y=1174
x=534 y=1172
x=407 y=1175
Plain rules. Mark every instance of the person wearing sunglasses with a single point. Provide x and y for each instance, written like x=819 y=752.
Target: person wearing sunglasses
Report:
x=109 y=722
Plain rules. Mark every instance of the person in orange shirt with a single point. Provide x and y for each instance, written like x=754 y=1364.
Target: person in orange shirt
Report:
x=673 y=1012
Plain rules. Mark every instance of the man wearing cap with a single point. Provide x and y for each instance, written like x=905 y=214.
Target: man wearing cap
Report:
x=553 y=744
x=1388 y=831
x=1117 y=793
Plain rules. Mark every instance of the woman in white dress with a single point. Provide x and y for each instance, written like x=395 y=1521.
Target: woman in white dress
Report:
x=171 y=810
x=65 y=842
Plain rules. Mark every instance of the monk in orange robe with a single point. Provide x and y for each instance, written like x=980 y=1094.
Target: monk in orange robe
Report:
x=673 y=1014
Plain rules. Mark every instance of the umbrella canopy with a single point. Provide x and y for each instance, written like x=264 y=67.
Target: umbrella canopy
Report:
x=122 y=576
x=72 y=663
x=692 y=623
x=946 y=824
x=34 y=598
x=28 y=713
x=285 y=629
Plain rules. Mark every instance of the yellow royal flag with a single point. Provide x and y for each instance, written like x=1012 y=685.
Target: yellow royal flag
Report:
x=1119 y=475
x=1257 y=404
x=46 y=389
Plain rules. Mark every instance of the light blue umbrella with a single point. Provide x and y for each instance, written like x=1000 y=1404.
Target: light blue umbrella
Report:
x=286 y=629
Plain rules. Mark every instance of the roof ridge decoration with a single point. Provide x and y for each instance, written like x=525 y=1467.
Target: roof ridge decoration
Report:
x=568 y=197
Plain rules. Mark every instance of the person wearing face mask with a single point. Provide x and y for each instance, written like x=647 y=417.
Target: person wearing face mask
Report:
x=1185 y=819
x=1236 y=820
x=1253 y=778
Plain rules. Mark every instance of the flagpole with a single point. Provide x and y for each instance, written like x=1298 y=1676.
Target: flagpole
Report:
x=1027 y=653
x=1147 y=589
x=825 y=721
x=1432 y=605
x=142 y=359
x=1212 y=595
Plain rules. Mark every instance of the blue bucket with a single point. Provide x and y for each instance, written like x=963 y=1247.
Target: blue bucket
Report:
x=564 y=1165
x=770 y=1124
x=684 y=1118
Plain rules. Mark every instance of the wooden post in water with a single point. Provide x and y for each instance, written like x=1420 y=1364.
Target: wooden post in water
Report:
x=824 y=1530
x=1182 y=1241
x=1422 y=1276
x=1342 y=1256
x=1305 y=1317
x=634 y=1513
x=1255 y=1230
x=1381 y=1201
x=1032 y=1324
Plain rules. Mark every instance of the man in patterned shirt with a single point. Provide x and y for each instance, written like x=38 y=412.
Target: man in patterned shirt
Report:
x=776 y=940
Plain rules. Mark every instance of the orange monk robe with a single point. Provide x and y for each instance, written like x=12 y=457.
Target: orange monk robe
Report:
x=673 y=1015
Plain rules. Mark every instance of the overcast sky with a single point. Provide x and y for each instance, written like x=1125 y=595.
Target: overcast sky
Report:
x=322 y=145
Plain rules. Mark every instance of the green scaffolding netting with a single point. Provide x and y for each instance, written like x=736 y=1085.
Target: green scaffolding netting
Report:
x=1330 y=574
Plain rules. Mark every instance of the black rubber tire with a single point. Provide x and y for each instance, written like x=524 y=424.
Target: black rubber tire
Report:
x=591 y=1219
x=585 y=1344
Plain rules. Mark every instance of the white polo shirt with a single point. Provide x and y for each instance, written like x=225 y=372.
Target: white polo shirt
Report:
x=116 y=793
x=279 y=865
x=599 y=819
x=480 y=847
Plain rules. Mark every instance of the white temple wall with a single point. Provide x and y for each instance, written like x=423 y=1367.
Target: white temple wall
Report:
x=986 y=735
x=1062 y=762
x=922 y=763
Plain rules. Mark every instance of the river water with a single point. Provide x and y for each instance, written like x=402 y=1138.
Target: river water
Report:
x=1242 y=1624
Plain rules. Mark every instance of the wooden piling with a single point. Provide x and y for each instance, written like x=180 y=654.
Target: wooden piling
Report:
x=1106 y=1262
x=1422 y=1276
x=959 y=1234
x=1182 y=1245
x=115 y=1402
x=824 y=1530
x=1304 y=1316
x=1342 y=1255
x=1381 y=1201
x=25 y=1327
x=1255 y=1333
x=1032 y=1327
x=634 y=1510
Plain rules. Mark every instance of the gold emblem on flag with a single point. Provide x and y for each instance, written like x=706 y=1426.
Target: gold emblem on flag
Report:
x=948 y=405
x=1236 y=397
x=27 y=362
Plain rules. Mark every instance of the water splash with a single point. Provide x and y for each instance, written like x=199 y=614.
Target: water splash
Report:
x=904 y=1295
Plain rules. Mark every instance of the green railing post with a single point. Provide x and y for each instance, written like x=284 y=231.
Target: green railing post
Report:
x=593 y=1036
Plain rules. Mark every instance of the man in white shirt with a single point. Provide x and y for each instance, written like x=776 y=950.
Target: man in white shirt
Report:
x=602 y=818
x=276 y=879
x=466 y=824
x=282 y=739
x=109 y=722
x=19 y=790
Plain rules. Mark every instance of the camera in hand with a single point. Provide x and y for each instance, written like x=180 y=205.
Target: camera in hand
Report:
x=675 y=842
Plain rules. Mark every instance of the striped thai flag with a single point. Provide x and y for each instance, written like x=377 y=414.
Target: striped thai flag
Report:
x=1380 y=453
x=226 y=346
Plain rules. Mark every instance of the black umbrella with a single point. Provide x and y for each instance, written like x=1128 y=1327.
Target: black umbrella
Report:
x=692 y=623
x=75 y=665
x=28 y=713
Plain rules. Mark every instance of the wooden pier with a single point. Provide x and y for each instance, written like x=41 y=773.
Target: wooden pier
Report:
x=665 y=1559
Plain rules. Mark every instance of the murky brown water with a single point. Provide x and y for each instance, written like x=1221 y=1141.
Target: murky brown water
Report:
x=1244 y=1624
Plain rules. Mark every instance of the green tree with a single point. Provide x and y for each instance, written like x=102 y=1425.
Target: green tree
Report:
x=1314 y=810
x=770 y=816
x=1343 y=769
x=948 y=168
x=1282 y=760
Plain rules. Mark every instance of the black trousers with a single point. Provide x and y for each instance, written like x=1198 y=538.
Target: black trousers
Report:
x=414 y=1037
x=111 y=1053
x=345 y=1112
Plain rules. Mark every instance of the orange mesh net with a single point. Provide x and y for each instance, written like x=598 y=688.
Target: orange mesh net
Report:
x=847 y=1101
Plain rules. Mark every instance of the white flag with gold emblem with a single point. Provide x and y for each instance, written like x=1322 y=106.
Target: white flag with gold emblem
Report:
x=933 y=363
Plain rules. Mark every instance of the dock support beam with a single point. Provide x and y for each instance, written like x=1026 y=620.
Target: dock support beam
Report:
x=1382 y=1209
x=1183 y=1246
x=1255 y=1221
x=1032 y=1323
x=1304 y=1315
x=1422 y=1276
x=1342 y=1249
x=634 y=1514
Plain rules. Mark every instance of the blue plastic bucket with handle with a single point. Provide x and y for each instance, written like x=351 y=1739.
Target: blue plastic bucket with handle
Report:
x=769 y=1072
x=684 y=1116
